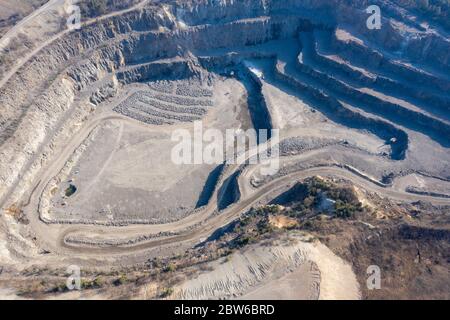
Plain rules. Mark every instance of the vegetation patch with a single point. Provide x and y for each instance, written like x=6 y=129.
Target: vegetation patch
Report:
x=298 y=208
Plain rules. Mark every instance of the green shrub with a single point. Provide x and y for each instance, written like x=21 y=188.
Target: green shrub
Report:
x=346 y=210
x=166 y=292
x=121 y=280
x=92 y=284
x=98 y=282
x=170 y=268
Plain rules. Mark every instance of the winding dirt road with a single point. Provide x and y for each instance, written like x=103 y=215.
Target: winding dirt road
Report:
x=192 y=229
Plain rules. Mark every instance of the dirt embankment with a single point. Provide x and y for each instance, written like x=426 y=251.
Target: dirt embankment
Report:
x=413 y=259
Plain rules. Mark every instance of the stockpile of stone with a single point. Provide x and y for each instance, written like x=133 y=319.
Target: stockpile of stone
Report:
x=193 y=91
x=154 y=107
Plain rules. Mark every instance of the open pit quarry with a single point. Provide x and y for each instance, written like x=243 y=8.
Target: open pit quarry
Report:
x=87 y=118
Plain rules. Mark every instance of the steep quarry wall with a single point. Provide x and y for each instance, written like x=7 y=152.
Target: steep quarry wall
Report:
x=408 y=118
x=39 y=102
x=335 y=110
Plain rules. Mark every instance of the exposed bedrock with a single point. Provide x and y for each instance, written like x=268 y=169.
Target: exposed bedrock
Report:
x=156 y=71
x=371 y=59
x=415 y=45
x=210 y=186
x=122 y=44
x=415 y=232
x=437 y=12
x=435 y=128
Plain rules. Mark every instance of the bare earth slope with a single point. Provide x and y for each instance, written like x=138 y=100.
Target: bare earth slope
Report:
x=87 y=116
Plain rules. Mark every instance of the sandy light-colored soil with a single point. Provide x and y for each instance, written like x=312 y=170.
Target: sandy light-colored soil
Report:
x=120 y=161
x=86 y=174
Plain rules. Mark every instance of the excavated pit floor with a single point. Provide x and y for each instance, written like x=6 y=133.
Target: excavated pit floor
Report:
x=125 y=170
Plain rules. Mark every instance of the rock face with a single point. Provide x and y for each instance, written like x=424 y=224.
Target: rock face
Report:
x=42 y=103
x=92 y=170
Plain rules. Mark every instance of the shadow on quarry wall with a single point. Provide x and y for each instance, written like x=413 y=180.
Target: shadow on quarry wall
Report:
x=257 y=106
x=420 y=93
x=229 y=192
x=217 y=234
x=210 y=186
x=153 y=71
x=326 y=104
